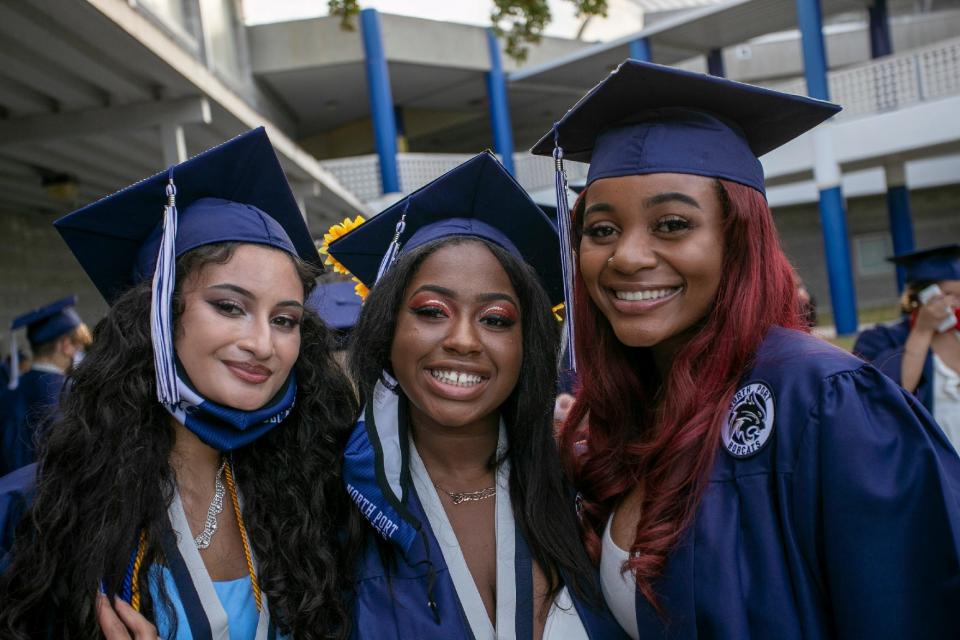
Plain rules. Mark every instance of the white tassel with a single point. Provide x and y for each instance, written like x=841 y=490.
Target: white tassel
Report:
x=14 y=381
x=391 y=255
x=566 y=253
x=161 y=315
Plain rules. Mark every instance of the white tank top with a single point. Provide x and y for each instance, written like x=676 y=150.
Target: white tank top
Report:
x=946 y=400
x=619 y=589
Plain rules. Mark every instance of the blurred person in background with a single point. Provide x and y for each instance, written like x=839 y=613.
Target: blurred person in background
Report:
x=58 y=339
x=921 y=351
x=23 y=365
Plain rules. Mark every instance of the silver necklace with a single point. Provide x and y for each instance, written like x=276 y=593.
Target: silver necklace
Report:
x=459 y=497
x=216 y=506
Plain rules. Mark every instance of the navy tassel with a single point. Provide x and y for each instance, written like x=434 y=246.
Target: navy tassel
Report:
x=566 y=252
x=161 y=315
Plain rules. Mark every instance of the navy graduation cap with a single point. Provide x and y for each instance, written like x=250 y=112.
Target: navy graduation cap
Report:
x=477 y=198
x=235 y=192
x=936 y=263
x=336 y=303
x=43 y=325
x=650 y=118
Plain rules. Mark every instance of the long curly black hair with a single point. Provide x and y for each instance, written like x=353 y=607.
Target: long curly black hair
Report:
x=542 y=500
x=104 y=477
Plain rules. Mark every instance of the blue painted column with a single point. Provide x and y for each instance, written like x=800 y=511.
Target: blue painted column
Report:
x=898 y=209
x=826 y=171
x=880 y=42
x=381 y=100
x=715 y=63
x=499 y=106
x=898 y=195
x=640 y=50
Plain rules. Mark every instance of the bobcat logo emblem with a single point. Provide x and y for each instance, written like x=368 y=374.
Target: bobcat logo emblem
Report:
x=749 y=421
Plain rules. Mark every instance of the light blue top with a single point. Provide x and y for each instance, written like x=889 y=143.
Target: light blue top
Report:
x=236 y=596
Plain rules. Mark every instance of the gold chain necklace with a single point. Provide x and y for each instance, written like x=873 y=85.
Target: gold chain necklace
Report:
x=459 y=497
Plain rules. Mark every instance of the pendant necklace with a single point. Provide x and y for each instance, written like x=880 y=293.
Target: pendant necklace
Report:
x=205 y=537
x=459 y=497
x=132 y=578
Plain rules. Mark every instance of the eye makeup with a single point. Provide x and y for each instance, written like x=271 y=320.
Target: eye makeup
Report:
x=501 y=314
x=428 y=303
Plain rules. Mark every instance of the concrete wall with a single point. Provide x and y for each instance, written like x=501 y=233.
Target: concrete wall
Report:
x=778 y=56
x=299 y=44
x=37 y=268
x=936 y=214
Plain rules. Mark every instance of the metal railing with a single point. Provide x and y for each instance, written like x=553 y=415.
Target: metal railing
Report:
x=361 y=174
x=892 y=82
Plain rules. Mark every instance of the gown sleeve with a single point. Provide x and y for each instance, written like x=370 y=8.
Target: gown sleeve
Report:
x=16 y=494
x=885 y=485
x=883 y=348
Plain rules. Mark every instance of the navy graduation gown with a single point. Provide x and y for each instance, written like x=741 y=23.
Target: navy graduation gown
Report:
x=883 y=345
x=409 y=592
x=833 y=511
x=25 y=412
x=16 y=495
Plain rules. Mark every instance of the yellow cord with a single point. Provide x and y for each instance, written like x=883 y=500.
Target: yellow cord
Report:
x=135 y=581
x=243 y=536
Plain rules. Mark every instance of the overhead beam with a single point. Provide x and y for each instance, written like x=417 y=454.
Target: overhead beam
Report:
x=48 y=78
x=149 y=36
x=86 y=122
x=36 y=34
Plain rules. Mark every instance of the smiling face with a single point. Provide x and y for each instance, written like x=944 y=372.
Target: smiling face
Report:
x=239 y=334
x=651 y=255
x=458 y=347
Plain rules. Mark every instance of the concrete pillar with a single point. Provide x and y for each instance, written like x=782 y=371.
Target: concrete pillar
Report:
x=833 y=215
x=898 y=210
x=640 y=49
x=880 y=41
x=381 y=100
x=715 y=63
x=174 y=144
x=499 y=105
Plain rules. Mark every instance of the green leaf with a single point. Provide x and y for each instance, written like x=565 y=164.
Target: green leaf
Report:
x=346 y=9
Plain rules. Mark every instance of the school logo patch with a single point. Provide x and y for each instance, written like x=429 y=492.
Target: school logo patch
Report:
x=750 y=420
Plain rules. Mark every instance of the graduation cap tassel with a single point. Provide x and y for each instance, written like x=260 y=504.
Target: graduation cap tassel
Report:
x=566 y=253
x=161 y=322
x=14 y=381
x=391 y=255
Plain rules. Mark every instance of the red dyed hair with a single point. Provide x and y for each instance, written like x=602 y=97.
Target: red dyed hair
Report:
x=664 y=433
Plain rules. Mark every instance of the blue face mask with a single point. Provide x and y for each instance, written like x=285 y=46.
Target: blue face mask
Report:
x=225 y=428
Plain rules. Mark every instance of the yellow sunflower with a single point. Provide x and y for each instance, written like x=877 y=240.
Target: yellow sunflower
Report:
x=334 y=232
x=360 y=289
